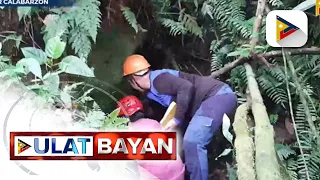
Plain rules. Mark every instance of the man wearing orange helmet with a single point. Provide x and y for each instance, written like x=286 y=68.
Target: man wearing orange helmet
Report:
x=201 y=103
x=131 y=107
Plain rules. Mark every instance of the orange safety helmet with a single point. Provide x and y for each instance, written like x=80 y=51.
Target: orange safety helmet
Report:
x=134 y=64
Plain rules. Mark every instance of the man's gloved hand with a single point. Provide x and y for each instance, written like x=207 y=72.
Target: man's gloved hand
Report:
x=172 y=125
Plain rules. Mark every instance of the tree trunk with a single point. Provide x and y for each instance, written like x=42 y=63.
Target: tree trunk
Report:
x=243 y=145
x=267 y=167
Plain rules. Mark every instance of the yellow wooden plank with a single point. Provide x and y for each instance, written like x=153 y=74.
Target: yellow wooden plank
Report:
x=317 y=7
x=169 y=115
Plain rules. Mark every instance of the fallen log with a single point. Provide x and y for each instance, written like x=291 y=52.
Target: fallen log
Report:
x=243 y=145
x=267 y=167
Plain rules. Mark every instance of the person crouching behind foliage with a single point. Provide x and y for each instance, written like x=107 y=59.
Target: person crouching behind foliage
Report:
x=201 y=104
x=131 y=107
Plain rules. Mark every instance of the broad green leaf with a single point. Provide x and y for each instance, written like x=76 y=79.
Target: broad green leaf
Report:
x=317 y=74
x=55 y=47
x=225 y=128
x=19 y=69
x=85 y=97
x=224 y=153
x=73 y=65
x=35 y=53
x=120 y=121
x=195 y=3
x=35 y=87
x=305 y=5
x=114 y=114
x=32 y=65
x=52 y=81
x=246 y=46
x=69 y=88
x=110 y=117
x=24 y=11
x=85 y=94
x=284 y=151
x=245 y=53
x=259 y=47
x=3 y=66
x=66 y=99
x=235 y=53
x=130 y=17
x=95 y=105
x=207 y=9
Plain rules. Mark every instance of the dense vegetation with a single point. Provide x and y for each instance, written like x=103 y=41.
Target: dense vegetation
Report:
x=272 y=84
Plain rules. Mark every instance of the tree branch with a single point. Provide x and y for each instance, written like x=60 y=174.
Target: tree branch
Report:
x=271 y=54
x=301 y=51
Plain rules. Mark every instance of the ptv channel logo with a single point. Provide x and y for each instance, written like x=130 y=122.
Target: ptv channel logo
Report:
x=287 y=28
x=22 y=146
x=36 y=146
x=128 y=145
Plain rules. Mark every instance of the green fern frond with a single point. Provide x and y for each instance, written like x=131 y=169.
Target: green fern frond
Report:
x=57 y=26
x=277 y=94
x=162 y=6
x=186 y=23
x=207 y=9
x=215 y=45
x=301 y=170
x=176 y=28
x=219 y=56
x=313 y=61
x=80 y=42
x=314 y=32
x=216 y=62
x=190 y=24
x=311 y=156
x=239 y=79
x=87 y=17
x=130 y=17
x=302 y=126
x=292 y=167
x=276 y=3
x=229 y=14
x=79 y=24
x=113 y=121
x=314 y=164
x=284 y=151
x=272 y=80
x=276 y=72
x=94 y=119
x=3 y=66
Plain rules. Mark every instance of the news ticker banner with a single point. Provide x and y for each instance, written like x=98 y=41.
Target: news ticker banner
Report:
x=93 y=145
x=49 y=3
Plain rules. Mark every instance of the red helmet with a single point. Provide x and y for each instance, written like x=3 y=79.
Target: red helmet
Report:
x=129 y=105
